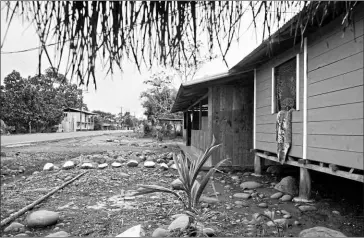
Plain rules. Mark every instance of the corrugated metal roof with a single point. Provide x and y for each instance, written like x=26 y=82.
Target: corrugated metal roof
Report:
x=191 y=91
x=78 y=110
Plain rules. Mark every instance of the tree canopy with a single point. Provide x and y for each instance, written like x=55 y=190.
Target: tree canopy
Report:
x=37 y=102
x=161 y=31
x=158 y=99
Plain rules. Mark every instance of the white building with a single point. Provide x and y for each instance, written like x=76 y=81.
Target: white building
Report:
x=76 y=120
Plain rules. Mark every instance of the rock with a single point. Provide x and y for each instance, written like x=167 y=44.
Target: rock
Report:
x=180 y=222
x=68 y=178
x=35 y=172
x=208 y=231
x=14 y=226
x=287 y=185
x=59 y=234
x=48 y=167
x=336 y=212
x=164 y=166
x=228 y=207
x=135 y=231
x=320 y=231
x=241 y=203
x=235 y=178
x=280 y=222
x=297 y=223
x=174 y=166
x=87 y=166
x=42 y=218
x=263 y=205
x=102 y=166
x=276 y=195
x=285 y=212
x=287 y=216
x=116 y=164
x=247 y=174
x=209 y=200
x=286 y=198
x=109 y=140
x=68 y=165
x=250 y=185
x=242 y=195
x=120 y=159
x=125 y=175
x=150 y=158
x=307 y=208
x=274 y=169
x=22 y=235
x=160 y=232
x=149 y=164
x=132 y=163
x=177 y=184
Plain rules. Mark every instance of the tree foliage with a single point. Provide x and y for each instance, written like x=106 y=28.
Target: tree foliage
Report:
x=158 y=99
x=37 y=102
x=149 y=31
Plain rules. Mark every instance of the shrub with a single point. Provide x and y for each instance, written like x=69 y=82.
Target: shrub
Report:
x=188 y=170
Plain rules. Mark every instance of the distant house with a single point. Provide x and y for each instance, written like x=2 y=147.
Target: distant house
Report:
x=76 y=120
x=324 y=84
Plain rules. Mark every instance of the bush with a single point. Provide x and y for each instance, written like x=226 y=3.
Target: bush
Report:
x=188 y=170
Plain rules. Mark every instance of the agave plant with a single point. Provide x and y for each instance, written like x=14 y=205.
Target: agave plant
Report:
x=188 y=171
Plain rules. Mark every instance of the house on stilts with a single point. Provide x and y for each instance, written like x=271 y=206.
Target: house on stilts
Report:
x=318 y=74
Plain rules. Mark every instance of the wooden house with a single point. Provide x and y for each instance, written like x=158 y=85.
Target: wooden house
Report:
x=325 y=68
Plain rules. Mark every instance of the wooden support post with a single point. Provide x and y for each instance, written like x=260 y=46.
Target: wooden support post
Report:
x=258 y=164
x=200 y=117
x=305 y=184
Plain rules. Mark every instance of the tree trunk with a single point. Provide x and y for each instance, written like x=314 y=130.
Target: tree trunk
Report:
x=30 y=127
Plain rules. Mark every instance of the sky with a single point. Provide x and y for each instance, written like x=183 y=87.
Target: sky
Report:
x=120 y=91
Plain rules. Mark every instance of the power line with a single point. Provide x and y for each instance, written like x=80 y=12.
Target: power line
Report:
x=56 y=43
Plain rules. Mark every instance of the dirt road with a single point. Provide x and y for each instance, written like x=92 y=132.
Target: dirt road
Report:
x=7 y=140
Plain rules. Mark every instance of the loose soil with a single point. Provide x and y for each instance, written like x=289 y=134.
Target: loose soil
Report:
x=94 y=205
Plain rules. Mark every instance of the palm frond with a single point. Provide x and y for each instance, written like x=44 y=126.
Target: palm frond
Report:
x=205 y=180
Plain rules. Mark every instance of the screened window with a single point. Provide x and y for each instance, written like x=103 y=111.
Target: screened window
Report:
x=285 y=79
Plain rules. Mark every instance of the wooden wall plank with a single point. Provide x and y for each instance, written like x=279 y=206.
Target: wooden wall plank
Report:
x=297 y=128
x=334 y=113
x=343 y=127
x=340 y=67
x=338 y=157
x=334 y=26
x=345 y=143
x=344 y=51
x=346 y=96
x=295 y=151
x=271 y=137
x=339 y=82
x=216 y=122
x=331 y=41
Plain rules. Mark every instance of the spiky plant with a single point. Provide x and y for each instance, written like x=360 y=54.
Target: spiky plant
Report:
x=188 y=170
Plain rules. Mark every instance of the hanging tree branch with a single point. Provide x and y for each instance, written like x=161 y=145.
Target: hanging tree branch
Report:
x=151 y=31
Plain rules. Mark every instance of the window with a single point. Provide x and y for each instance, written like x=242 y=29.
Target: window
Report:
x=285 y=81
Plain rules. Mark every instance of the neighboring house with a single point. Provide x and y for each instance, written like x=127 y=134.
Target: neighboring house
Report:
x=324 y=79
x=76 y=120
